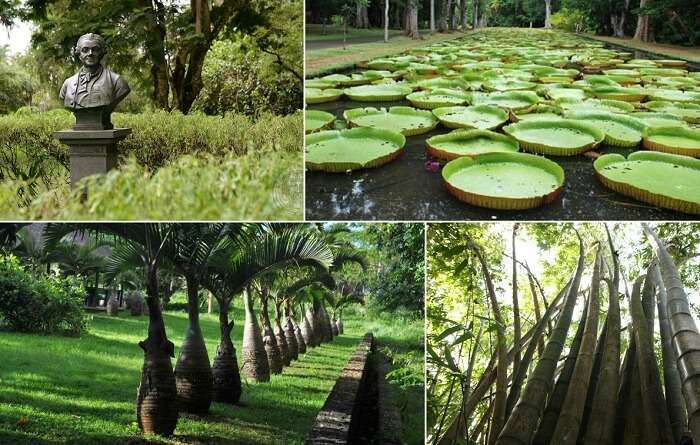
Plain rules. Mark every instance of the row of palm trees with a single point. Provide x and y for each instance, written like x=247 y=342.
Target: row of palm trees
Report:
x=292 y=267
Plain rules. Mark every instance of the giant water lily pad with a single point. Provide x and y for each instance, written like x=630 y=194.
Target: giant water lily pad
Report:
x=483 y=117
x=377 y=93
x=687 y=112
x=613 y=106
x=438 y=97
x=465 y=142
x=652 y=120
x=562 y=137
x=516 y=101
x=405 y=120
x=505 y=181
x=318 y=96
x=340 y=151
x=620 y=130
x=676 y=139
x=662 y=179
x=620 y=93
x=315 y=120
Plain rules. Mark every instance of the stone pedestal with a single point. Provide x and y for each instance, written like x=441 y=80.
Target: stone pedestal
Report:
x=91 y=151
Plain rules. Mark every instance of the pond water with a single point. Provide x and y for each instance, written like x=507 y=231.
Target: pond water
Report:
x=407 y=189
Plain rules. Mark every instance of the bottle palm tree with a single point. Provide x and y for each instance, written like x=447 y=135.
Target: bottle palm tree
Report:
x=147 y=245
x=253 y=251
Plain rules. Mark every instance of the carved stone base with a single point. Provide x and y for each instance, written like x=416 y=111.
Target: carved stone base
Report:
x=91 y=151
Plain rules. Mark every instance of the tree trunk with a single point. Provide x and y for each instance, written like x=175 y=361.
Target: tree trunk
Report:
x=601 y=424
x=547 y=13
x=272 y=349
x=521 y=425
x=593 y=382
x=463 y=15
x=432 y=16
x=156 y=403
x=569 y=421
x=653 y=405
x=499 y=410
x=155 y=50
x=227 y=379
x=255 y=364
x=672 y=381
x=307 y=329
x=386 y=20
x=411 y=19
x=537 y=338
x=536 y=304
x=643 y=31
x=193 y=372
x=475 y=14
x=301 y=343
x=443 y=25
x=516 y=307
x=685 y=335
x=556 y=399
x=290 y=336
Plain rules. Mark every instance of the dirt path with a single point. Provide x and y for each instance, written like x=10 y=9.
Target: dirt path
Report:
x=691 y=54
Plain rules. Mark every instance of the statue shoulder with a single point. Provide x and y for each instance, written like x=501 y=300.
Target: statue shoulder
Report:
x=116 y=79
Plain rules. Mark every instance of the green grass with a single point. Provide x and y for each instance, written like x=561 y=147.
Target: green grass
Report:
x=328 y=60
x=314 y=33
x=77 y=391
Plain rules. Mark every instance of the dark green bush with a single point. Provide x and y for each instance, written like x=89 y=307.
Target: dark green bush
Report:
x=47 y=305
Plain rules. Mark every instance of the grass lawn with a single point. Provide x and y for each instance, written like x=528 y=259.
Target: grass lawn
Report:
x=77 y=391
x=314 y=32
x=327 y=60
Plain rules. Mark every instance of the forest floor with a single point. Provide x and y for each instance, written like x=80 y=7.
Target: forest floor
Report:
x=82 y=391
x=691 y=54
x=329 y=59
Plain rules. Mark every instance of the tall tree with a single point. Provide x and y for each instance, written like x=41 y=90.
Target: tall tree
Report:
x=683 y=329
x=601 y=423
x=569 y=421
x=411 y=19
x=522 y=423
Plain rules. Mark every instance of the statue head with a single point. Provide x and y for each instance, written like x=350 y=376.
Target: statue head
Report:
x=90 y=49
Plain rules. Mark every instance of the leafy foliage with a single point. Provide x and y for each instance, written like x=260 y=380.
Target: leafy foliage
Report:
x=212 y=167
x=400 y=273
x=42 y=304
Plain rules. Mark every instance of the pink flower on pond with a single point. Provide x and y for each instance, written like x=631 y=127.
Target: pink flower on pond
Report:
x=432 y=166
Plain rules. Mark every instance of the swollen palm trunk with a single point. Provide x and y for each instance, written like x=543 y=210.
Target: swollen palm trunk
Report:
x=193 y=374
x=156 y=405
x=283 y=346
x=301 y=343
x=195 y=382
x=255 y=364
x=309 y=329
x=290 y=335
x=324 y=325
x=334 y=328
x=272 y=350
x=227 y=380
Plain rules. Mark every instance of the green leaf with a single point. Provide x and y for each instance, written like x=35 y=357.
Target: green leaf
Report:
x=447 y=332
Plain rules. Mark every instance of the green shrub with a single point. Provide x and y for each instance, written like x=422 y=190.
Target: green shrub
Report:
x=173 y=167
x=265 y=186
x=41 y=304
x=572 y=20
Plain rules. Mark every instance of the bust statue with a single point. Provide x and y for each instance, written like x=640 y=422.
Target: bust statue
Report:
x=94 y=91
